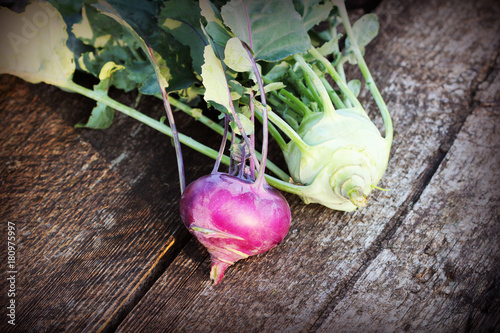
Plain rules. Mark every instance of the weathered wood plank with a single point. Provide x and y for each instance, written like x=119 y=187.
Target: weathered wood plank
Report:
x=441 y=271
x=87 y=244
x=428 y=60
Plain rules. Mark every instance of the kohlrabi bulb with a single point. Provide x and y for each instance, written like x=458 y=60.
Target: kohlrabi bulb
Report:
x=234 y=218
x=345 y=159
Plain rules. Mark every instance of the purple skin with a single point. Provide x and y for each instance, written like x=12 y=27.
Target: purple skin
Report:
x=234 y=218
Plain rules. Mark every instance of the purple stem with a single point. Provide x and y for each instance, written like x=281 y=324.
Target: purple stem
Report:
x=249 y=27
x=265 y=130
x=252 y=136
x=242 y=131
x=222 y=145
x=262 y=168
x=175 y=133
x=168 y=110
x=242 y=162
x=231 y=160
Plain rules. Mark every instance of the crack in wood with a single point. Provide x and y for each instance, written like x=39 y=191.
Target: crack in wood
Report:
x=382 y=241
x=157 y=270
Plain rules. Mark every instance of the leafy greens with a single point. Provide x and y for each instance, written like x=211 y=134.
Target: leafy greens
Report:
x=245 y=58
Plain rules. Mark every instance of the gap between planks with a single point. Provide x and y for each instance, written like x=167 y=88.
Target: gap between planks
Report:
x=380 y=243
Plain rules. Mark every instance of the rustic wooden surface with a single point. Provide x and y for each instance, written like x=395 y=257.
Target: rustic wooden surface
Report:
x=102 y=247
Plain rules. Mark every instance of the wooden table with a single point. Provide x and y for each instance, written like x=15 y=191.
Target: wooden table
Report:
x=100 y=245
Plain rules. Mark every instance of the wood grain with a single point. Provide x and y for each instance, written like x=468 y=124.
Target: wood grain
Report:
x=101 y=246
x=432 y=65
x=441 y=270
x=87 y=244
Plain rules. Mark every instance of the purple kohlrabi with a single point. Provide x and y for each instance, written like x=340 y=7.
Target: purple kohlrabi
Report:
x=234 y=218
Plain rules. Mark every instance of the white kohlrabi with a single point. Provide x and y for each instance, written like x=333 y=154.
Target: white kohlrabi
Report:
x=343 y=158
x=336 y=157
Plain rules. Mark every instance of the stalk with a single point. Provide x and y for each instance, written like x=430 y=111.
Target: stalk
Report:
x=265 y=128
x=236 y=119
x=252 y=136
x=336 y=77
x=287 y=129
x=222 y=144
x=337 y=101
x=336 y=50
x=286 y=186
x=203 y=119
x=327 y=103
x=370 y=83
x=259 y=182
x=159 y=126
x=299 y=85
x=153 y=123
x=275 y=134
x=312 y=87
x=293 y=102
x=145 y=45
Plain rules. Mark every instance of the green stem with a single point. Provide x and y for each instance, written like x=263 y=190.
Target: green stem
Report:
x=337 y=101
x=299 y=85
x=135 y=53
x=275 y=169
x=336 y=50
x=286 y=186
x=336 y=77
x=327 y=103
x=274 y=133
x=288 y=130
x=311 y=87
x=294 y=102
x=201 y=118
x=153 y=123
x=370 y=83
x=159 y=126
x=340 y=70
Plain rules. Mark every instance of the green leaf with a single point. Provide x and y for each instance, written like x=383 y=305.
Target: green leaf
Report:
x=330 y=47
x=208 y=11
x=107 y=70
x=102 y=117
x=173 y=55
x=112 y=41
x=109 y=41
x=150 y=85
x=67 y=8
x=365 y=29
x=354 y=86
x=274 y=86
x=245 y=122
x=136 y=74
x=314 y=12
x=160 y=67
x=139 y=14
x=219 y=34
x=214 y=80
x=34 y=45
x=278 y=71
x=276 y=28
x=95 y=29
x=236 y=56
x=215 y=28
x=181 y=18
x=237 y=90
